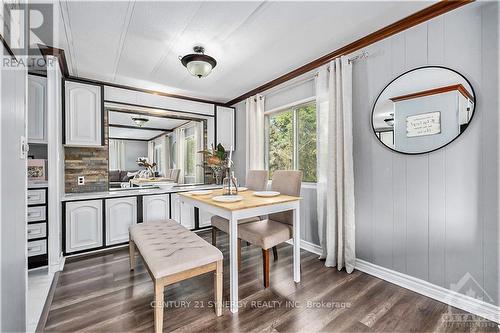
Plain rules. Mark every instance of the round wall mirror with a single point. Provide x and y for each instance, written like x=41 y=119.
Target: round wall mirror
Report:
x=423 y=110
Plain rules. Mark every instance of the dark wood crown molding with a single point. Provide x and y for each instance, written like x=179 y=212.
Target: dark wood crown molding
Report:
x=458 y=87
x=140 y=128
x=57 y=53
x=421 y=16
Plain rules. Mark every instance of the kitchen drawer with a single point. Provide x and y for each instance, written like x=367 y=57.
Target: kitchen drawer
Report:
x=36 y=248
x=36 y=197
x=36 y=213
x=37 y=230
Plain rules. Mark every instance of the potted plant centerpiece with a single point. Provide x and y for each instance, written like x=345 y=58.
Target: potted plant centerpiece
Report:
x=216 y=161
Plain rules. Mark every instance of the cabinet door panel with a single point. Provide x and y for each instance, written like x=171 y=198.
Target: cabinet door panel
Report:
x=205 y=218
x=155 y=208
x=225 y=127
x=182 y=213
x=37 y=121
x=83 y=114
x=83 y=225
x=121 y=213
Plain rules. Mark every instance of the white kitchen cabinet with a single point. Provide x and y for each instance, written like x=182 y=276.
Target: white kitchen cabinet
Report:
x=225 y=127
x=121 y=213
x=36 y=248
x=83 y=114
x=37 y=109
x=83 y=225
x=185 y=214
x=205 y=219
x=155 y=208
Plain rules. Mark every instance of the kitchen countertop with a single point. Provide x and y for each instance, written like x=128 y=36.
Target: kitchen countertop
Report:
x=135 y=192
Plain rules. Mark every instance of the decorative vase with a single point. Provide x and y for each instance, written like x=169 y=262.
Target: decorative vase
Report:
x=218 y=175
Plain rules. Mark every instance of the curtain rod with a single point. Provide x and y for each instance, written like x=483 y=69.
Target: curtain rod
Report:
x=289 y=85
x=362 y=55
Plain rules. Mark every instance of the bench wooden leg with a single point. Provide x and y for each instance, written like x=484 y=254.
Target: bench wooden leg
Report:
x=275 y=253
x=214 y=236
x=218 y=288
x=158 y=307
x=131 y=249
x=265 y=266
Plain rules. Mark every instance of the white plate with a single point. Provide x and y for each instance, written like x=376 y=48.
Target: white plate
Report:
x=241 y=189
x=227 y=198
x=266 y=194
x=201 y=192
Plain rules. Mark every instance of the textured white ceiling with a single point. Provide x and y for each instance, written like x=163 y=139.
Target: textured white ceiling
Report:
x=122 y=118
x=130 y=133
x=138 y=43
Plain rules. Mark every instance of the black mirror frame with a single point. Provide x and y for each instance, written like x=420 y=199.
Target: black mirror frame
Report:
x=412 y=70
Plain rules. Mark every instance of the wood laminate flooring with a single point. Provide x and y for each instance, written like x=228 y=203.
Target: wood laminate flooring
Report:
x=98 y=293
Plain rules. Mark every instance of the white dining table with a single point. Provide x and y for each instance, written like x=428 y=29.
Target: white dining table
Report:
x=250 y=206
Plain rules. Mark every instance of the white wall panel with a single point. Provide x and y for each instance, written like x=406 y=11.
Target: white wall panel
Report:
x=443 y=205
x=120 y=95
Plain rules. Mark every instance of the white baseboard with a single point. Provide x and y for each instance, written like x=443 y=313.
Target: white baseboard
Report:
x=461 y=301
x=310 y=247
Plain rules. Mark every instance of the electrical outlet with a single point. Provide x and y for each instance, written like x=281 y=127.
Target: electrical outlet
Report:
x=81 y=180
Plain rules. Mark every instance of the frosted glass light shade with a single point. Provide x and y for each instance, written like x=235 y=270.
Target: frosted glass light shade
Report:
x=199 y=68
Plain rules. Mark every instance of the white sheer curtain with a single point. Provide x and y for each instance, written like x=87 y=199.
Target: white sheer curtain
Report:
x=255 y=132
x=180 y=152
x=151 y=151
x=198 y=134
x=335 y=187
x=116 y=154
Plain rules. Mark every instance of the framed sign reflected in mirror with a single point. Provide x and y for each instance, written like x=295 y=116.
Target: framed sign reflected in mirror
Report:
x=423 y=110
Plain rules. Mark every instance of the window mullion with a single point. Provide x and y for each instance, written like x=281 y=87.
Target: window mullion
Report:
x=295 y=131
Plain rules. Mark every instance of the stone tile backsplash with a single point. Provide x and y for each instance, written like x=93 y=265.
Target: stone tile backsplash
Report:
x=90 y=162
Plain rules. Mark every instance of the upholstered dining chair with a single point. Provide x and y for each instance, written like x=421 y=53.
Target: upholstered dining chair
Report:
x=278 y=227
x=256 y=180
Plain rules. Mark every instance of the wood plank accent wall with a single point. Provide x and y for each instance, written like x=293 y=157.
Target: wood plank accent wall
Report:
x=90 y=162
x=433 y=216
x=426 y=14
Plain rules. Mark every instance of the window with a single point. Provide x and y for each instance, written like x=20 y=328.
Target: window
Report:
x=190 y=160
x=158 y=158
x=291 y=141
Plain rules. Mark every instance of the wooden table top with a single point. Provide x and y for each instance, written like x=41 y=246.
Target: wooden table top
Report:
x=249 y=200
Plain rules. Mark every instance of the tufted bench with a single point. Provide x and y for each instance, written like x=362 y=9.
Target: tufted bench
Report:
x=172 y=253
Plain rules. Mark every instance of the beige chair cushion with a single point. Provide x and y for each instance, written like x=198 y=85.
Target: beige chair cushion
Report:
x=289 y=183
x=169 y=248
x=257 y=180
x=174 y=175
x=265 y=233
x=223 y=225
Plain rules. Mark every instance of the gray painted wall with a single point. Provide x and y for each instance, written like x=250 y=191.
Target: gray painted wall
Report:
x=446 y=104
x=133 y=150
x=433 y=216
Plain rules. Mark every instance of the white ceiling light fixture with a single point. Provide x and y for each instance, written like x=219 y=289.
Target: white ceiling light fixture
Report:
x=198 y=64
x=139 y=121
